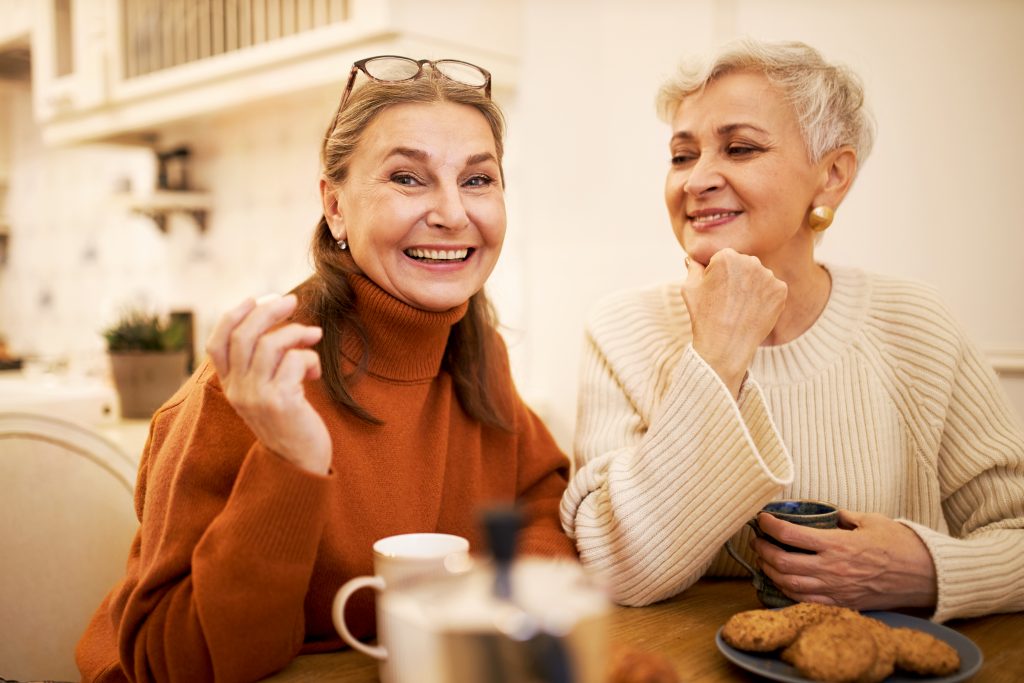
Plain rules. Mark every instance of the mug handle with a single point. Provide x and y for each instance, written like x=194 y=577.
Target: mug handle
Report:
x=752 y=523
x=338 y=612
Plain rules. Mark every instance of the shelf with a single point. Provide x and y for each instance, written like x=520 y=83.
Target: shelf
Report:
x=159 y=204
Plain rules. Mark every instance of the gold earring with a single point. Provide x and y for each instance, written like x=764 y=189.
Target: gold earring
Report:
x=820 y=218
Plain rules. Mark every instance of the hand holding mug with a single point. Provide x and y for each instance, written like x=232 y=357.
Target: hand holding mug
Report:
x=811 y=514
x=869 y=562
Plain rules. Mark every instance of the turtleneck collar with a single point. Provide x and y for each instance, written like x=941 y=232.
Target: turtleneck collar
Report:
x=829 y=336
x=406 y=343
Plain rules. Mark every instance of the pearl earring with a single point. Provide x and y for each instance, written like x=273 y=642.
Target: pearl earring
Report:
x=342 y=244
x=820 y=218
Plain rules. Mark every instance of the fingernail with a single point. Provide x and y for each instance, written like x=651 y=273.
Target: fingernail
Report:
x=266 y=298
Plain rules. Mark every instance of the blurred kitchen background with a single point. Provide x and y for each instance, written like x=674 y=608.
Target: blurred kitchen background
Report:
x=163 y=153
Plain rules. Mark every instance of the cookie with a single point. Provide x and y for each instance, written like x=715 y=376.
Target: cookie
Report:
x=805 y=614
x=837 y=650
x=759 y=630
x=630 y=665
x=885 y=644
x=924 y=654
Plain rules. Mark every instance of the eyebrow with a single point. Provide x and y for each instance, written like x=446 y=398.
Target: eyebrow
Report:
x=420 y=155
x=721 y=130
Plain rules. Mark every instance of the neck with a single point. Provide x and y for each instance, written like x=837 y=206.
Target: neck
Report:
x=809 y=287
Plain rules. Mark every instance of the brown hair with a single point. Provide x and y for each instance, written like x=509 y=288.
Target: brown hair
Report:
x=470 y=355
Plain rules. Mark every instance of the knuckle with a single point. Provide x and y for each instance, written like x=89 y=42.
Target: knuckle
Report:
x=238 y=337
x=262 y=344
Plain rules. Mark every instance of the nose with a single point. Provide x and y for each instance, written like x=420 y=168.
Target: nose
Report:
x=704 y=176
x=447 y=209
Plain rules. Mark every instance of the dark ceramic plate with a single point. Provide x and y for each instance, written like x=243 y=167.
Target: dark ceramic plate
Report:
x=770 y=666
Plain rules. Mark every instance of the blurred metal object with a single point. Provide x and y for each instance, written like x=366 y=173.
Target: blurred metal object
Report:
x=455 y=628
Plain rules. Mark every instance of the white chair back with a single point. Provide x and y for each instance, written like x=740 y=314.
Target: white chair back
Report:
x=67 y=522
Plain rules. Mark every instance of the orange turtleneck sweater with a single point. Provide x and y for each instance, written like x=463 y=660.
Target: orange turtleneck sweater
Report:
x=239 y=553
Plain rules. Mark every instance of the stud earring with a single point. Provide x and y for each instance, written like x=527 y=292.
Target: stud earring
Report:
x=820 y=218
x=342 y=244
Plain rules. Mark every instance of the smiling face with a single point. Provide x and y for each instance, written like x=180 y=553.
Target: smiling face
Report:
x=423 y=207
x=740 y=174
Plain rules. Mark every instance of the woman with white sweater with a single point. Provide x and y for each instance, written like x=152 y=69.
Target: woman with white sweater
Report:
x=767 y=374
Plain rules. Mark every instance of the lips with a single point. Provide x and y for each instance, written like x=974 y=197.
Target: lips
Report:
x=711 y=214
x=711 y=217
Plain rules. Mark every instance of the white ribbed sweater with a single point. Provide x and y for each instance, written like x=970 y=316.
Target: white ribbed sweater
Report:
x=883 y=405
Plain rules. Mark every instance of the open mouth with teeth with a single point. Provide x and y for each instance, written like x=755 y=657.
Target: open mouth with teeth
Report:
x=710 y=218
x=439 y=255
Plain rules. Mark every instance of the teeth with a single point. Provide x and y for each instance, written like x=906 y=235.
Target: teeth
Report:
x=715 y=216
x=439 y=254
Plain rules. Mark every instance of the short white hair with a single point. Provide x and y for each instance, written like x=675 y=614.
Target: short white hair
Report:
x=828 y=98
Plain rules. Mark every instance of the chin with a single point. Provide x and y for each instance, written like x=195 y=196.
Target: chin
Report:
x=701 y=256
x=441 y=301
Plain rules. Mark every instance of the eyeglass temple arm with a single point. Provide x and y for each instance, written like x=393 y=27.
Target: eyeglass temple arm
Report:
x=348 y=88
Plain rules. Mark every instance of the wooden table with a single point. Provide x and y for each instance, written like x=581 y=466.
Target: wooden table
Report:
x=683 y=630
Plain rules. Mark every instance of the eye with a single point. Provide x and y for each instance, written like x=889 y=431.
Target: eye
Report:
x=683 y=158
x=479 y=180
x=739 y=150
x=406 y=179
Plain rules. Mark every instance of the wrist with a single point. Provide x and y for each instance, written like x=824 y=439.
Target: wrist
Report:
x=309 y=459
x=726 y=367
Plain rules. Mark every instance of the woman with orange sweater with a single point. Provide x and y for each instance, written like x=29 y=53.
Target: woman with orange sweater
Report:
x=375 y=399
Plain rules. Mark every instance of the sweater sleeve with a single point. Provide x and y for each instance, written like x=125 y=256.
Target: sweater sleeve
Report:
x=229 y=535
x=541 y=468
x=543 y=473
x=980 y=563
x=657 y=492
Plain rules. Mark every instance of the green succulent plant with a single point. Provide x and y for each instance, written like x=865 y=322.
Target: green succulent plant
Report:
x=139 y=330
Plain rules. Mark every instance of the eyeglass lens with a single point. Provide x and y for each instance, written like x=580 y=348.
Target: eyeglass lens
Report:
x=391 y=68
x=464 y=73
x=403 y=69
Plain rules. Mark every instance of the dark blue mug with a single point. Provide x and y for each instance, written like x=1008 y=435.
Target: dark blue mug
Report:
x=810 y=513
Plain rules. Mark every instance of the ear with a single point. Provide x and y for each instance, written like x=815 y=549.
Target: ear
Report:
x=332 y=212
x=838 y=168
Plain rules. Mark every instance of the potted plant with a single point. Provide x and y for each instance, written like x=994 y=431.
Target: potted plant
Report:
x=149 y=360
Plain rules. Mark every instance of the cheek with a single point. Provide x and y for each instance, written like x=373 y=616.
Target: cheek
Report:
x=490 y=220
x=674 y=191
x=677 y=230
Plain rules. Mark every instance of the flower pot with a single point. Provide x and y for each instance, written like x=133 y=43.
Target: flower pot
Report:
x=145 y=379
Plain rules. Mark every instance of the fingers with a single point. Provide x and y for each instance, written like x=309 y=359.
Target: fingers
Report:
x=800 y=587
x=246 y=334
x=218 y=344
x=694 y=269
x=694 y=274
x=273 y=346
x=795 y=535
x=297 y=365
x=849 y=520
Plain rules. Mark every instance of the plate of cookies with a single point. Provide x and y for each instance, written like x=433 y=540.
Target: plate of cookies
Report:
x=813 y=642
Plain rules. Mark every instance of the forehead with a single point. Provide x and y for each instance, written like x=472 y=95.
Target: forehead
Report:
x=442 y=128
x=741 y=97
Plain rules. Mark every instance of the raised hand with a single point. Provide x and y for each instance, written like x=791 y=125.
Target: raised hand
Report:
x=871 y=562
x=734 y=302
x=262 y=368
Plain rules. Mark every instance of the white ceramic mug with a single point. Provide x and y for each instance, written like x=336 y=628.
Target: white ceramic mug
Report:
x=397 y=560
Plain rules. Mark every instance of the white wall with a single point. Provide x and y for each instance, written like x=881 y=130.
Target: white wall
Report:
x=15 y=20
x=937 y=201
